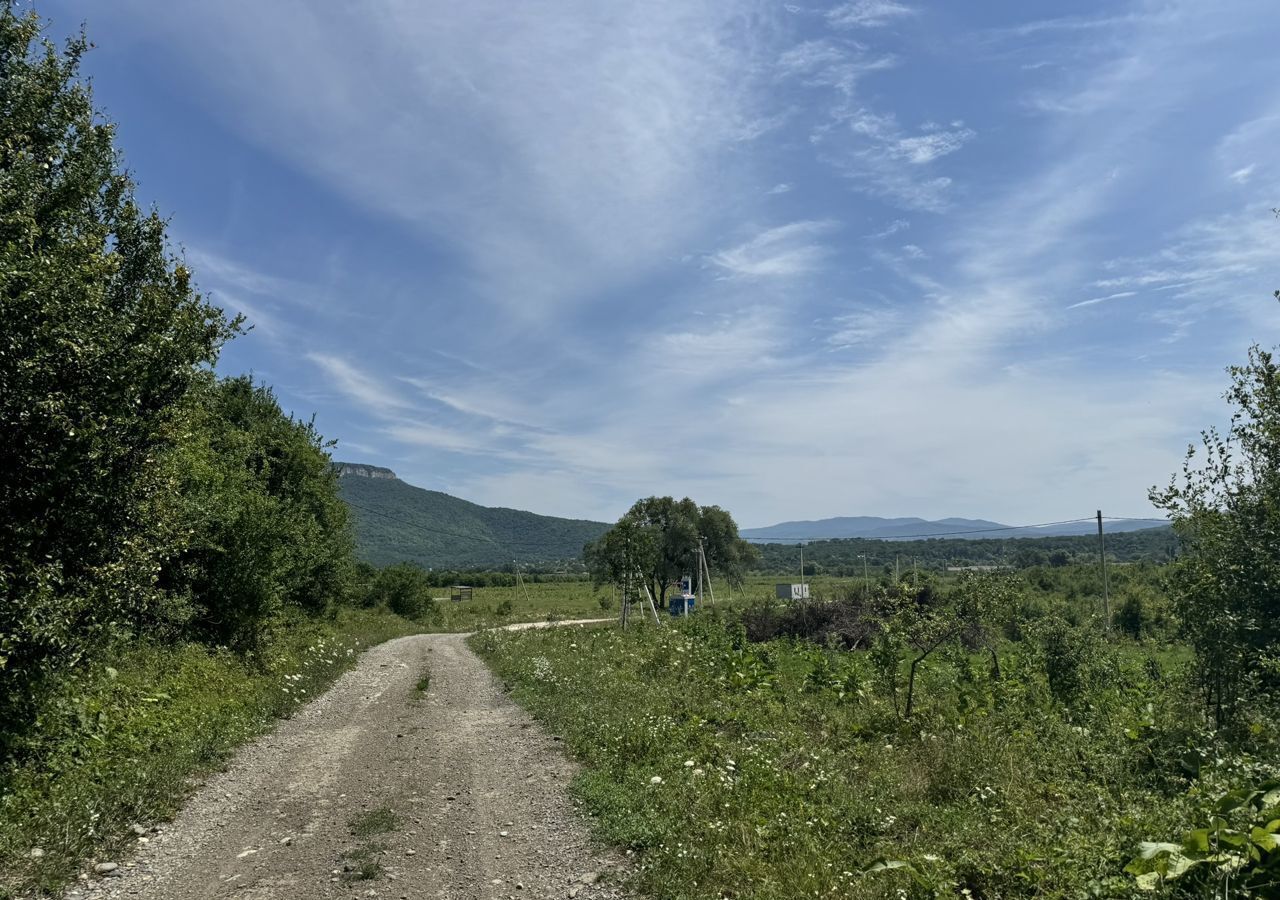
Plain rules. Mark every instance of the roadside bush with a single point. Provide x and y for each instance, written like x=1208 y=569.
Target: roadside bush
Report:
x=405 y=590
x=261 y=525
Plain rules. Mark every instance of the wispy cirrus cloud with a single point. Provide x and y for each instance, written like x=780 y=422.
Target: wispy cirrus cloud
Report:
x=791 y=249
x=884 y=159
x=604 y=121
x=868 y=13
x=1094 y=301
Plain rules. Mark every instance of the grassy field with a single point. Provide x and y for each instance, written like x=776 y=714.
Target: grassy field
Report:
x=781 y=770
x=543 y=601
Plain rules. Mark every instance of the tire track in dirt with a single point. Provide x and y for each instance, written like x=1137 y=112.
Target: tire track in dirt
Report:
x=476 y=790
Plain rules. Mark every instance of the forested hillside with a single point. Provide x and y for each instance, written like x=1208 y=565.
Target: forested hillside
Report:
x=845 y=557
x=397 y=522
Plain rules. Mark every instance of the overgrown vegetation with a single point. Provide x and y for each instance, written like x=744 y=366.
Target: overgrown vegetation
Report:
x=1227 y=514
x=991 y=738
x=783 y=767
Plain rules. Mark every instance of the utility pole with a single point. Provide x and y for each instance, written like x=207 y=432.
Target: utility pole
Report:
x=626 y=583
x=866 y=575
x=699 y=577
x=897 y=568
x=802 y=568
x=1106 y=588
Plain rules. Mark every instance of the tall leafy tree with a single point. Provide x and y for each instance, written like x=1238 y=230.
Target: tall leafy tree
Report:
x=101 y=336
x=1225 y=507
x=659 y=537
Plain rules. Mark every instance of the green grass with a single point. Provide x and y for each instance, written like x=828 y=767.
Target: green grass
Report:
x=781 y=770
x=120 y=742
x=374 y=821
x=363 y=863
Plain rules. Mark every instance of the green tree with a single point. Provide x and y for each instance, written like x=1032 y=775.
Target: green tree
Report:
x=405 y=590
x=101 y=337
x=260 y=527
x=970 y=616
x=1225 y=507
x=659 y=536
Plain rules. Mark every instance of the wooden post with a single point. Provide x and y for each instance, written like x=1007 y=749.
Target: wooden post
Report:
x=1106 y=588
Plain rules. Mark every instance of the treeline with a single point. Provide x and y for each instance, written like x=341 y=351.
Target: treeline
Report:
x=141 y=495
x=844 y=557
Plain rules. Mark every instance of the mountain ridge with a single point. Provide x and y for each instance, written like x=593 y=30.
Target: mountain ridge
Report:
x=395 y=521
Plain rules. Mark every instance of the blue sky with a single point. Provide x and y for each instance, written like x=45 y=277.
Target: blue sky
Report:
x=861 y=258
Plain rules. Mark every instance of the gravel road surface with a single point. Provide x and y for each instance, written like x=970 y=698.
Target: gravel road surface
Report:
x=378 y=789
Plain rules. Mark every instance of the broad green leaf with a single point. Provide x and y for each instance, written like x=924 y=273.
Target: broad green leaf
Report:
x=1151 y=849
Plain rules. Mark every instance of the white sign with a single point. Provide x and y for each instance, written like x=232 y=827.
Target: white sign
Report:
x=793 y=591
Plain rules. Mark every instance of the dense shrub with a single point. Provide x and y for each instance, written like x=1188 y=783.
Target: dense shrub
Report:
x=404 y=589
x=260 y=522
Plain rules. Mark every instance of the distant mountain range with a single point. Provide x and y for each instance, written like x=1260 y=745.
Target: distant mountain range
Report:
x=397 y=522
x=913 y=528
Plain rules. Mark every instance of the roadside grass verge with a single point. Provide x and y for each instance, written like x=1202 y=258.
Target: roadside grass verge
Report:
x=121 y=741
x=781 y=770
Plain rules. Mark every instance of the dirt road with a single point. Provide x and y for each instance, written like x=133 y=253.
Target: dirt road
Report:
x=380 y=789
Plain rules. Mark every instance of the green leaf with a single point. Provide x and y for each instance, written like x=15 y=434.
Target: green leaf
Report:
x=1151 y=849
x=1196 y=841
x=1233 y=800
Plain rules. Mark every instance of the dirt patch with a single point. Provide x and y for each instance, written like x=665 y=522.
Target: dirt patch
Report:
x=380 y=788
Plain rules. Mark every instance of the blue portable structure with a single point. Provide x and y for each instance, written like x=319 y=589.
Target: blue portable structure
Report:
x=683 y=603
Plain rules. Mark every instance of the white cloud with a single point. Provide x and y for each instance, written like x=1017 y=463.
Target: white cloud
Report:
x=1096 y=300
x=864 y=326
x=824 y=63
x=520 y=137
x=1243 y=174
x=868 y=13
x=782 y=188
x=358 y=386
x=892 y=228
x=879 y=157
x=782 y=251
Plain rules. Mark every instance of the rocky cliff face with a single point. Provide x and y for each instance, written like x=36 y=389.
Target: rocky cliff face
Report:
x=362 y=471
